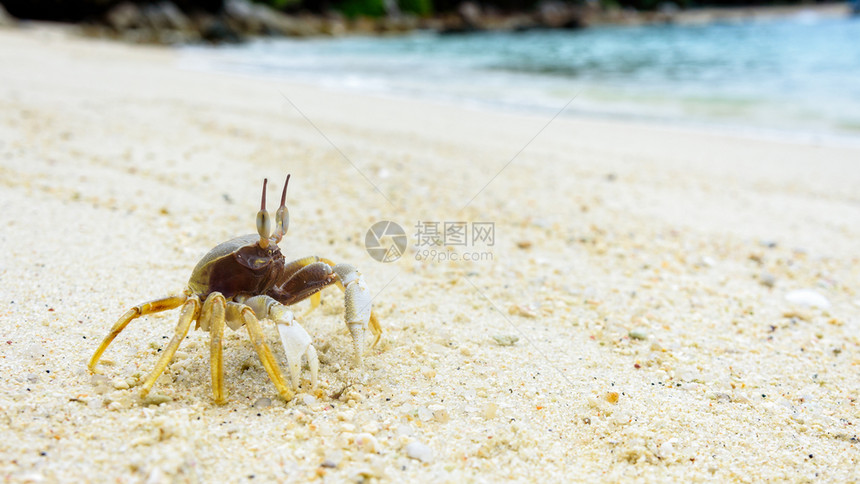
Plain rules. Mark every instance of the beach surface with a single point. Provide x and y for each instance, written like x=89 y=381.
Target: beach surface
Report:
x=655 y=303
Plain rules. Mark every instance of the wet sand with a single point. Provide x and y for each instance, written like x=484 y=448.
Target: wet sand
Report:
x=636 y=315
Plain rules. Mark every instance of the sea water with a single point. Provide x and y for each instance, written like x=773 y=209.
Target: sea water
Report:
x=799 y=74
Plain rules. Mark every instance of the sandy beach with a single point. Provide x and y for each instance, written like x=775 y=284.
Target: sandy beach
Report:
x=656 y=304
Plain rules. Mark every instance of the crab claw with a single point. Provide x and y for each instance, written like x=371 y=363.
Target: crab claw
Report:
x=357 y=305
x=294 y=338
x=297 y=343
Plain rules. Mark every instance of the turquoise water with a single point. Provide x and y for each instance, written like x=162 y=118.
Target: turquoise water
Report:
x=800 y=74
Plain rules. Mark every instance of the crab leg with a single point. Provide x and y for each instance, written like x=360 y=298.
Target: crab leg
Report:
x=309 y=275
x=189 y=313
x=294 y=338
x=313 y=276
x=263 y=352
x=212 y=320
x=150 y=307
x=358 y=311
x=350 y=274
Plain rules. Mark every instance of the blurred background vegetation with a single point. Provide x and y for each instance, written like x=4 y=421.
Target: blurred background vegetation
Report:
x=427 y=7
x=73 y=10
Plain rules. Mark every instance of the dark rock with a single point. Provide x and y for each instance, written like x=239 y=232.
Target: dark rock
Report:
x=555 y=14
x=670 y=8
x=279 y=24
x=241 y=16
x=155 y=17
x=666 y=12
x=308 y=25
x=214 y=29
x=392 y=9
x=162 y=23
x=6 y=20
x=175 y=18
x=435 y=24
x=362 y=25
x=125 y=16
x=398 y=23
x=335 y=25
x=470 y=14
x=466 y=19
x=257 y=19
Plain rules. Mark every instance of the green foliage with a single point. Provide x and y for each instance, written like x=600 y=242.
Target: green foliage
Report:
x=422 y=8
x=610 y=4
x=362 y=8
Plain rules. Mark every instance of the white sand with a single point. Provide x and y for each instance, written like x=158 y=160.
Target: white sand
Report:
x=119 y=170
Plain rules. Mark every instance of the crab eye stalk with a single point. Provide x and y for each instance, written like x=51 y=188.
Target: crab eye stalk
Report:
x=282 y=216
x=264 y=220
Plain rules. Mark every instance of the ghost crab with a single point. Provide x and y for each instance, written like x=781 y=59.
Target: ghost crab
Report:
x=244 y=280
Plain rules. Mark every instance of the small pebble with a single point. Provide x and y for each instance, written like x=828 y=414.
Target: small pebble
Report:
x=797 y=314
x=419 y=451
x=99 y=379
x=332 y=459
x=119 y=384
x=371 y=427
x=506 y=339
x=346 y=415
x=365 y=474
x=612 y=397
x=34 y=350
x=156 y=399
x=424 y=414
x=262 y=402
x=638 y=333
x=406 y=409
x=366 y=442
x=529 y=311
x=666 y=448
x=440 y=413
x=490 y=410
x=404 y=430
x=767 y=279
x=807 y=297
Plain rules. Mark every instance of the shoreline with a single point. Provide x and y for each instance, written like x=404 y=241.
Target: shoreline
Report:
x=768 y=117
x=639 y=320
x=701 y=126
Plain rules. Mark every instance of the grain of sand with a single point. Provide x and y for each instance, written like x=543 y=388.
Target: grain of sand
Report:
x=637 y=319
